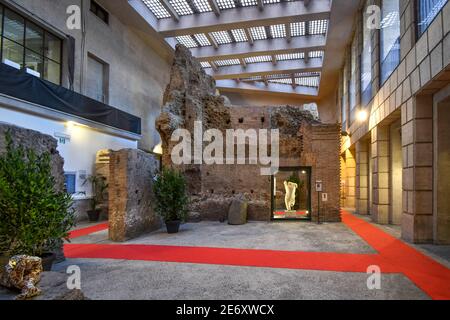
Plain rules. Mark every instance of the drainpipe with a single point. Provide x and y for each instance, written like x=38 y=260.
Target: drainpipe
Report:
x=83 y=7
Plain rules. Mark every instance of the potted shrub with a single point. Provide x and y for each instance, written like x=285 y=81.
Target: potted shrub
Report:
x=171 y=198
x=34 y=217
x=99 y=187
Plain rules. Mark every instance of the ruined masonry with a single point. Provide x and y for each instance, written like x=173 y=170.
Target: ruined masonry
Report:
x=304 y=142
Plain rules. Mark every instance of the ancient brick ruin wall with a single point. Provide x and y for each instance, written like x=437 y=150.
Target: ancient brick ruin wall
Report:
x=191 y=96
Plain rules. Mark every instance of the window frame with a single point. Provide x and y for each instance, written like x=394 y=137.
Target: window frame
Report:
x=382 y=80
x=417 y=17
x=42 y=55
x=367 y=92
x=98 y=7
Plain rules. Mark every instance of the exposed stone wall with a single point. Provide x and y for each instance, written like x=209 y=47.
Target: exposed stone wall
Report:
x=38 y=142
x=130 y=194
x=304 y=141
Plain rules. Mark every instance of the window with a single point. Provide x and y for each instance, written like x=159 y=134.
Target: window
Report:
x=26 y=45
x=353 y=77
x=70 y=182
x=97 y=79
x=344 y=95
x=366 y=63
x=389 y=38
x=99 y=12
x=427 y=10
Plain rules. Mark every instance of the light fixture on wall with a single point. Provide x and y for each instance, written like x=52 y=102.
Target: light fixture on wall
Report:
x=362 y=115
x=158 y=149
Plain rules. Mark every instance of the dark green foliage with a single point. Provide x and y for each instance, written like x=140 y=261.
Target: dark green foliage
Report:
x=34 y=217
x=99 y=187
x=170 y=193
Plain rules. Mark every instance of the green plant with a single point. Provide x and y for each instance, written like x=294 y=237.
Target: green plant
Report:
x=34 y=217
x=170 y=194
x=99 y=187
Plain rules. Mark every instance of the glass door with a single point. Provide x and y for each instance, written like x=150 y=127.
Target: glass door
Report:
x=291 y=194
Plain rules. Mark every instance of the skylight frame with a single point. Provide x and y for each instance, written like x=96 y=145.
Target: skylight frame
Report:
x=258 y=59
x=222 y=37
x=258 y=33
x=201 y=6
x=227 y=62
x=188 y=41
x=157 y=9
x=290 y=56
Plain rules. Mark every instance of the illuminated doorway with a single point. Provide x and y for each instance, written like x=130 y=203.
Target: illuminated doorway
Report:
x=291 y=194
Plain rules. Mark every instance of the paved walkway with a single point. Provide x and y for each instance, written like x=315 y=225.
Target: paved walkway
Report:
x=405 y=269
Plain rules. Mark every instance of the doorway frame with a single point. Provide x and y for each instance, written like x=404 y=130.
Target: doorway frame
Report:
x=272 y=186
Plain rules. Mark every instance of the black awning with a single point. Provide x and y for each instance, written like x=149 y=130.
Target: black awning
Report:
x=21 y=85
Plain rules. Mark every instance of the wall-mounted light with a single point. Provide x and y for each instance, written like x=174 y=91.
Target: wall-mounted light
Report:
x=158 y=149
x=362 y=115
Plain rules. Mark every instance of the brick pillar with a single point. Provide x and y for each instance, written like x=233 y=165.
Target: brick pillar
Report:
x=350 y=182
x=380 y=175
x=362 y=178
x=417 y=145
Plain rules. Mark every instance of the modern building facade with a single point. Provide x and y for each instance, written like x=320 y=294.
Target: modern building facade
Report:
x=393 y=95
x=101 y=65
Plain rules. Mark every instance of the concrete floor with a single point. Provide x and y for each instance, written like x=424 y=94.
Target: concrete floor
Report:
x=285 y=236
x=129 y=280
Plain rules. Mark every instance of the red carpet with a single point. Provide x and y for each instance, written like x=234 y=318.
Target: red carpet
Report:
x=89 y=230
x=393 y=256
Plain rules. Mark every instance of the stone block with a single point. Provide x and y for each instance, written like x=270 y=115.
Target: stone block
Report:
x=131 y=198
x=435 y=32
x=237 y=214
x=259 y=211
x=436 y=60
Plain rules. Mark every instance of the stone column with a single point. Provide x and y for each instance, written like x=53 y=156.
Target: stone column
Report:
x=417 y=145
x=362 y=178
x=380 y=175
x=350 y=182
x=130 y=194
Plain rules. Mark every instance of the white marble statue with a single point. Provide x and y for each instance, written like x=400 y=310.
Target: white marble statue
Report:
x=289 y=198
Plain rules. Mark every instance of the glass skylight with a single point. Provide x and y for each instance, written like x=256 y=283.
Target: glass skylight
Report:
x=226 y=4
x=202 y=39
x=278 y=31
x=239 y=35
x=181 y=7
x=187 y=41
x=315 y=54
x=298 y=29
x=157 y=9
x=318 y=26
x=290 y=56
x=227 y=62
x=307 y=81
x=221 y=37
x=281 y=81
x=205 y=64
x=258 y=59
x=202 y=6
x=258 y=33
x=248 y=3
